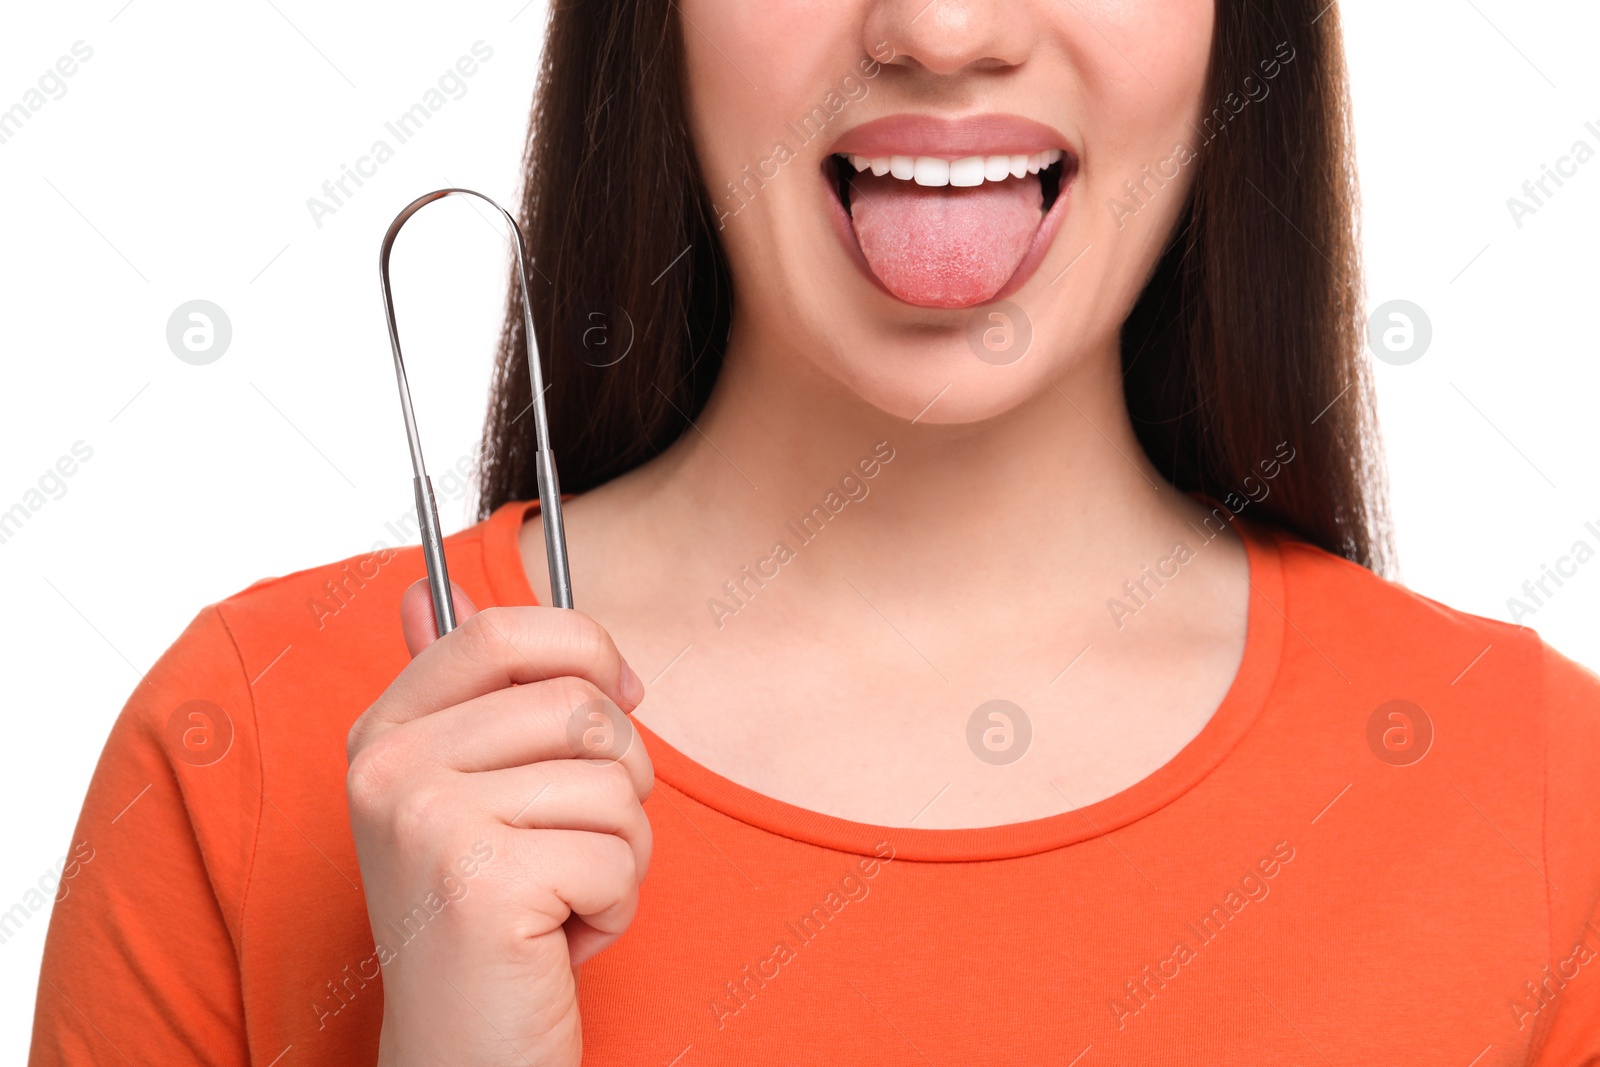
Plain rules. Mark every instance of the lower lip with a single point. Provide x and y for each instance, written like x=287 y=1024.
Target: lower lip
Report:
x=1042 y=238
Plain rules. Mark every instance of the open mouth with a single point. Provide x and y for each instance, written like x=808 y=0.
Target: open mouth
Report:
x=946 y=232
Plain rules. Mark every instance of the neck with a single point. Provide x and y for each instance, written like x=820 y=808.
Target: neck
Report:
x=1050 y=505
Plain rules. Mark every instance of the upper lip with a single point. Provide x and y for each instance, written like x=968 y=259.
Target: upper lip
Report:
x=949 y=138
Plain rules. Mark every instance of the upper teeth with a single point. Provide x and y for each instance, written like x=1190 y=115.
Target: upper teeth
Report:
x=972 y=170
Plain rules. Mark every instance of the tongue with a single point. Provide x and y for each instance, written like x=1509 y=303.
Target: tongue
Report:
x=944 y=246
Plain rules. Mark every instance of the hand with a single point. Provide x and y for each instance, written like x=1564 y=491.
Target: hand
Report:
x=496 y=794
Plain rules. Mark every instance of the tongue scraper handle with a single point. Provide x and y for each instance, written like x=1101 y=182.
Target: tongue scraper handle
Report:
x=555 y=538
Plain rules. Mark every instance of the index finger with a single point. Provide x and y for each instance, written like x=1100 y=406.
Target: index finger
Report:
x=504 y=646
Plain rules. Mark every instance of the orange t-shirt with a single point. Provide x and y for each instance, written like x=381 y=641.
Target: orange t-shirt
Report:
x=1323 y=875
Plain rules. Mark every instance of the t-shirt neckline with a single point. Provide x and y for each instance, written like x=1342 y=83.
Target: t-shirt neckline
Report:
x=1238 y=711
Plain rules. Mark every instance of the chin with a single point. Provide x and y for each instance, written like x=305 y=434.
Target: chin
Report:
x=927 y=371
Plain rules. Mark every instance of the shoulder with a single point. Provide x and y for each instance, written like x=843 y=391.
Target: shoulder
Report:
x=1378 y=623
x=1319 y=574
x=248 y=709
x=342 y=605
x=1505 y=698
x=228 y=764
x=1570 y=703
x=289 y=662
x=1500 y=691
x=350 y=607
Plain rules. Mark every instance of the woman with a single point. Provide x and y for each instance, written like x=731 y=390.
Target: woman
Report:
x=991 y=499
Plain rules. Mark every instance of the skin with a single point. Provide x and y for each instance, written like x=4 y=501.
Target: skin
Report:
x=980 y=563
x=978 y=566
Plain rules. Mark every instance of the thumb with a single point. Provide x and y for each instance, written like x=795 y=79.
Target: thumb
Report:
x=416 y=613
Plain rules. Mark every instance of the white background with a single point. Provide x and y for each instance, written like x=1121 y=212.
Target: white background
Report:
x=178 y=164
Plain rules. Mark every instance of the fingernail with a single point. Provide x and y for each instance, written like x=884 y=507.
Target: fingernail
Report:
x=632 y=687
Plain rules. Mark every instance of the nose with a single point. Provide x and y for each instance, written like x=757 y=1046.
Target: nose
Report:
x=949 y=36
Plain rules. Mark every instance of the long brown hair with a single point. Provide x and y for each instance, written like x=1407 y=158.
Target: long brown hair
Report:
x=1248 y=335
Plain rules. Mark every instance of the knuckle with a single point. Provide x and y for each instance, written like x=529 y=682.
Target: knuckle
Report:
x=371 y=774
x=586 y=639
x=620 y=862
x=498 y=637
x=595 y=728
x=644 y=845
x=419 y=812
x=615 y=786
x=571 y=692
x=355 y=735
x=445 y=869
x=648 y=786
x=479 y=637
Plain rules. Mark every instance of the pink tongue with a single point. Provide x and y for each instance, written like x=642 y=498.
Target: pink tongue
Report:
x=944 y=246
